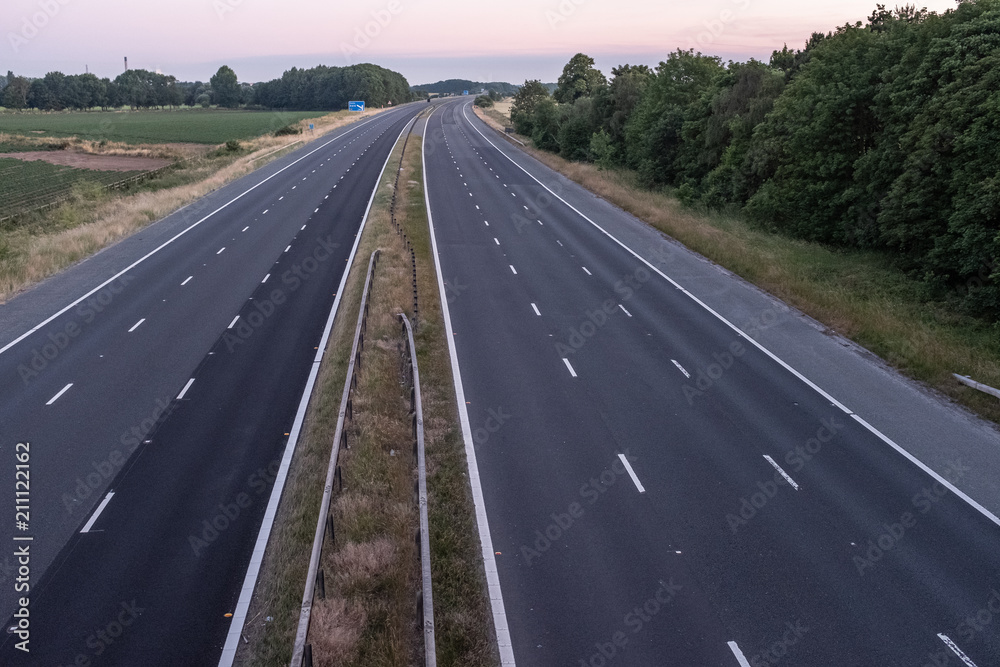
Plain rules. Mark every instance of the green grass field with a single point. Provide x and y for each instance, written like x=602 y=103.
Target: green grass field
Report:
x=24 y=185
x=202 y=126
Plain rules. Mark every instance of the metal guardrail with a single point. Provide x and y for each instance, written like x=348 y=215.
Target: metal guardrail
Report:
x=416 y=408
x=402 y=234
x=315 y=581
x=969 y=382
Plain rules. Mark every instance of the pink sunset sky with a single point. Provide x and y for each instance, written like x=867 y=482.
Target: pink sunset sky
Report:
x=425 y=40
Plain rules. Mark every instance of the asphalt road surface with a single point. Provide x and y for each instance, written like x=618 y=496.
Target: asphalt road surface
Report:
x=157 y=408
x=659 y=489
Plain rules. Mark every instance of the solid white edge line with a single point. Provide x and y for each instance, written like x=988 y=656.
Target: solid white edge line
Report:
x=61 y=392
x=812 y=385
x=260 y=546
x=176 y=236
x=136 y=325
x=631 y=473
x=97 y=512
x=742 y=659
x=233 y=323
x=569 y=366
x=781 y=472
x=535 y=308
x=482 y=522
x=949 y=642
x=184 y=391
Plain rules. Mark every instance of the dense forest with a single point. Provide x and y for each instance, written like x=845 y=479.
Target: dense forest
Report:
x=458 y=86
x=317 y=89
x=882 y=136
x=332 y=87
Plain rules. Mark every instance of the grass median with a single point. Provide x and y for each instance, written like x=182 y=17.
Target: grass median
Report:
x=856 y=294
x=369 y=616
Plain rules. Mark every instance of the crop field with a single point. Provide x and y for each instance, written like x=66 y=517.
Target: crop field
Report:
x=202 y=126
x=24 y=185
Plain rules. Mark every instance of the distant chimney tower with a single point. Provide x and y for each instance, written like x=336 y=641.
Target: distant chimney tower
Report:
x=126 y=63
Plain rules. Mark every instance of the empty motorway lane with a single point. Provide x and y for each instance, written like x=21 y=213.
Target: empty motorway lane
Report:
x=659 y=489
x=158 y=395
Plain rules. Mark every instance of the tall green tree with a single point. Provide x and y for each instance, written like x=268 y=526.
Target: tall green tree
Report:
x=718 y=129
x=526 y=101
x=653 y=133
x=15 y=95
x=226 y=87
x=579 y=78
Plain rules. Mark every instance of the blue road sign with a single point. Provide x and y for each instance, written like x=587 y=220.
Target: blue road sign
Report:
x=356 y=106
x=465 y=92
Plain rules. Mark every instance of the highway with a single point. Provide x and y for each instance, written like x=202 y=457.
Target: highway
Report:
x=655 y=485
x=660 y=488
x=158 y=384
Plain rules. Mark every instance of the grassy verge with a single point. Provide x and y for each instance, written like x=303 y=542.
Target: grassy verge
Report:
x=38 y=245
x=856 y=294
x=369 y=616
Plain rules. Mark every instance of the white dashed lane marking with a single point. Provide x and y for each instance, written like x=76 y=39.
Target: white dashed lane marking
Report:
x=61 y=392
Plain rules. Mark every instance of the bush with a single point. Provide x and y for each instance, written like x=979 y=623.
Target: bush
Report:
x=484 y=102
x=287 y=130
x=233 y=146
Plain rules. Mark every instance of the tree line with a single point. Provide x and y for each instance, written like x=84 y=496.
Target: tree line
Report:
x=317 y=89
x=330 y=88
x=882 y=136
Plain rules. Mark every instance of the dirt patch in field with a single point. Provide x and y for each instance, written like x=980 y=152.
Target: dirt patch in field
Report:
x=96 y=162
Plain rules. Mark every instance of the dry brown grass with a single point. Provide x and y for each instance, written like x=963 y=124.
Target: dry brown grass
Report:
x=337 y=629
x=854 y=294
x=40 y=245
